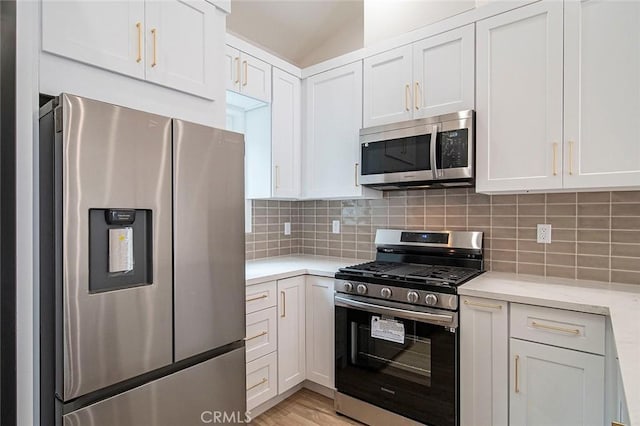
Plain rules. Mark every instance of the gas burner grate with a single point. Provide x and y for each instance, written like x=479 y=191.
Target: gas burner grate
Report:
x=376 y=267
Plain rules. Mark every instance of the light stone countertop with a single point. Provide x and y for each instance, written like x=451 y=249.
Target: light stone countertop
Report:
x=277 y=268
x=621 y=302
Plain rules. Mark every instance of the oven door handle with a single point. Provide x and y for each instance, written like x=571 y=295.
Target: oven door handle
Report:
x=448 y=320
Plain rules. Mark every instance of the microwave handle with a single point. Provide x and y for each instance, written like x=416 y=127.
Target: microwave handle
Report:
x=434 y=160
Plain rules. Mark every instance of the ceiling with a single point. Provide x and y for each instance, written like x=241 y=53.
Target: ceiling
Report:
x=302 y=32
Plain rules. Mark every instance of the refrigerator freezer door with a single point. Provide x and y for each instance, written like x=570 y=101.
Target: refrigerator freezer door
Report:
x=113 y=157
x=209 y=251
x=194 y=396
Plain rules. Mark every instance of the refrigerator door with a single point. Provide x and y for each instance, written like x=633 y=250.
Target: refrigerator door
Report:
x=209 y=248
x=214 y=389
x=114 y=158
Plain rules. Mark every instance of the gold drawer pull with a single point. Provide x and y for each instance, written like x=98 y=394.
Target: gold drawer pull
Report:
x=284 y=305
x=517 y=374
x=261 y=382
x=264 y=333
x=614 y=423
x=263 y=296
x=554 y=328
x=482 y=305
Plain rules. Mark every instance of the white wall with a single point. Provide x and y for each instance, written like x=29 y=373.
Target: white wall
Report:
x=388 y=18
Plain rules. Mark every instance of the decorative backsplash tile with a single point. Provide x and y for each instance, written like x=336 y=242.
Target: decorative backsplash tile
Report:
x=596 y=235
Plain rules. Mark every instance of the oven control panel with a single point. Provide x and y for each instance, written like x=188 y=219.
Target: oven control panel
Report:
x=399 y=294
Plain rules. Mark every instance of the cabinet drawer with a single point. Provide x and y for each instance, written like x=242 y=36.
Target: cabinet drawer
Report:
x=566 y=329
x=262 y=336
x=261 y=296
x=262 y=380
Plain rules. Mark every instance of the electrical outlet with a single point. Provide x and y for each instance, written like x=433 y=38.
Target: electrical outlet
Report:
x=287 y=228
x=544 y=233
x=336 y=226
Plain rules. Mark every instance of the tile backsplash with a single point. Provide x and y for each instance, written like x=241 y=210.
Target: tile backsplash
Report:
x=595 y=235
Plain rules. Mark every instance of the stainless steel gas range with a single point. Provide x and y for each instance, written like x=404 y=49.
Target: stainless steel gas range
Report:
x=396 y=323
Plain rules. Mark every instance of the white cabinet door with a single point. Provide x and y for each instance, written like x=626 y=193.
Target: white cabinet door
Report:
x=444 y=73
x=602 y=94
x=291 y=333
x=519 y=99
x=286 y=138
x=185 y=45
x=261 y=336
x=232 y=69
x=330 y=148
x=555 y=386
x=320 y=331
x=484 y=381
x=262 y=381
x=255 y=78
x=107 y=34
x=388 y=87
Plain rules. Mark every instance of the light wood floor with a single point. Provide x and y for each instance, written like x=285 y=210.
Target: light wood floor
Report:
x=303 y=408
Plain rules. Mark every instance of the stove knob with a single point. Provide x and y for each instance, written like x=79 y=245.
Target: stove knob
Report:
x=348 y=287
x=361 y=289
x=412 y=297
x=431 y=299
x=385 y=292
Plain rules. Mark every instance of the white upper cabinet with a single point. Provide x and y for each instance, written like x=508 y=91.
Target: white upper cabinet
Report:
x=105 y=34
x=177 y=44
x=602 y=94
x=247 y=75
x=443 y=70
x=430 y=77
x=286 y=137
x=184 y=45
x=519 y=99
x=333 y=118
x=388 y=87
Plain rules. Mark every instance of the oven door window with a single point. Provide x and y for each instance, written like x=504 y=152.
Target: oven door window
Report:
x=414 y=376
x=452 y=149
x=408 y=154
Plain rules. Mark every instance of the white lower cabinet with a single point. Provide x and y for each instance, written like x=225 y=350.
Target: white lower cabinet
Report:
x=262 y=335
x=291 y=332
x=320 y=330
x=555 y=386
x=262 y=380
x=484 y=337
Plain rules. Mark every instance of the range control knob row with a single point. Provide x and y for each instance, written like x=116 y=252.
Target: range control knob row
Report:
x=431 y=299
x=385 y=292
x=348 y=287
x=361 y=289
x=412 y=297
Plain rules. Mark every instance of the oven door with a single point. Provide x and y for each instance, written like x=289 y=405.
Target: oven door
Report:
x=404 y=361
x=454 y=149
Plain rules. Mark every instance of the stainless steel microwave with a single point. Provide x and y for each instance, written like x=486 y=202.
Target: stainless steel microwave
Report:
x=426 y=153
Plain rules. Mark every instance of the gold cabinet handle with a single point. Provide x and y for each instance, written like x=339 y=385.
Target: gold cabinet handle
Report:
x=517 y=374
x=246 y=72
x=571 y=157
x=139 y=27
x=614 y=423
x=264 y=333
x=555 y=159
x=416 y=97
x=154 y=33
x=277 y=177
x=237 y=80
x=482 y=305
x=406 y=97
x=284 y=304
x=554 y=328
x=261 y=382
x=262 y=296
x=355 y=174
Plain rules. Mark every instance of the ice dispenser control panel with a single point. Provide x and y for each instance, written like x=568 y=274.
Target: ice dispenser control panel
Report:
x=120 y=249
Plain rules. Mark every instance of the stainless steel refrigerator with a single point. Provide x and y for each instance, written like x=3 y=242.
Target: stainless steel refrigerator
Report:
x=141 y=268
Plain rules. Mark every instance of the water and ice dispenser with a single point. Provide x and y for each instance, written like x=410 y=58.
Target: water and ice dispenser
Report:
x=120 y=249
